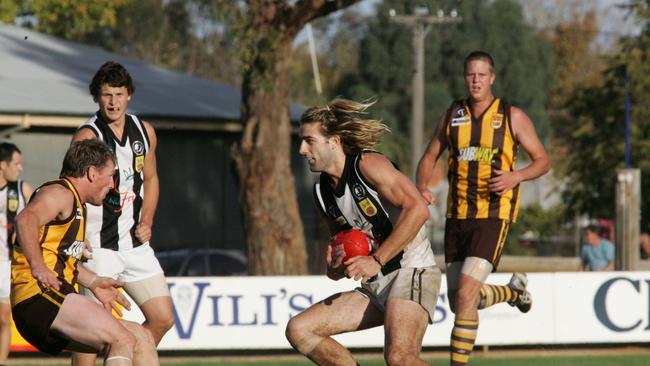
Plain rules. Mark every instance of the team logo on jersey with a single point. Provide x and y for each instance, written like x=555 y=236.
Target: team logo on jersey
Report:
x=75 y=249
x=477 y=153
x=368 y=207
x=139 y=163
x=127 y=174
x=462 y=118
x=12 y=200
x=138 y=147
x=497 y=120
x=358 y=191
x=12 y=204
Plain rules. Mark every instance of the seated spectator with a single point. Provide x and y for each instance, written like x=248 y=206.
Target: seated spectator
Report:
x=644 y=238
x=597 y=253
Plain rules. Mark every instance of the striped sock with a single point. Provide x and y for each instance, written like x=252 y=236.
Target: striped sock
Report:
x=492 y=294
x=462 y=341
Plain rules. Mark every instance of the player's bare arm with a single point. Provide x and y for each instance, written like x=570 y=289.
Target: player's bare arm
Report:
x=397 y=189
x=52 y=202
x=151 y=188
x=525 y=135
x=28 y=190
x=427 y=164
x=83 y=134
x=335 y=268
x=334 y=258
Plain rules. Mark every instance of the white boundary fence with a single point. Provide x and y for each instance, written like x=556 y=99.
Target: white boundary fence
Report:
x=220 y=313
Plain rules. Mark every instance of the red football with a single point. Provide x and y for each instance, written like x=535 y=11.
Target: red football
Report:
x=355 y=243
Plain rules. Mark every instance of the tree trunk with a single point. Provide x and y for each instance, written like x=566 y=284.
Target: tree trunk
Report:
x=274 y=230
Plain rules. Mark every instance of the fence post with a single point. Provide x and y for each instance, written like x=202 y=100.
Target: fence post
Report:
x=628 y=216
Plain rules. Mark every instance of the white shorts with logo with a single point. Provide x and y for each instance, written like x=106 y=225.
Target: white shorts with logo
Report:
x=126 y=265
x=421 y=285
x=5 y=280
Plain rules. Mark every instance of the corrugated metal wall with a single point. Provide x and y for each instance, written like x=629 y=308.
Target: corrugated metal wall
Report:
x=199 y=201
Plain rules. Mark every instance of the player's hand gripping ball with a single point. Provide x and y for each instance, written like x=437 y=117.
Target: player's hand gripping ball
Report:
x=354 y=242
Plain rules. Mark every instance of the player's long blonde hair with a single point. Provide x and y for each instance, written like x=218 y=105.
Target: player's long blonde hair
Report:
x=342 y=117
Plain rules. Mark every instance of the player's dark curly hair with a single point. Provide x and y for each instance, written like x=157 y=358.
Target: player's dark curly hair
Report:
x=342 y=117
x=113 y=74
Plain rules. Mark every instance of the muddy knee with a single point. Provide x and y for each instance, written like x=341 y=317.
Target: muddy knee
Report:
x=301 y=338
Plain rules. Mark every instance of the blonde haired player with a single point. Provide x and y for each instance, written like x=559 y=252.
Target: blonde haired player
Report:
x=400 y=281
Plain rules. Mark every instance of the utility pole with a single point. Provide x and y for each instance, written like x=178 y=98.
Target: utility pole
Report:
x=420 y=24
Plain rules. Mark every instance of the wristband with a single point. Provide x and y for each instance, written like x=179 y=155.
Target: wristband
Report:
x=374 y=256
x=90 y=285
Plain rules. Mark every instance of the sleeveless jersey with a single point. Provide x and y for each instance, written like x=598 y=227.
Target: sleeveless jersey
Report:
x=62 y=243
x=477 y=148
x=112 y=226
x=358 y=205
x=12 y=201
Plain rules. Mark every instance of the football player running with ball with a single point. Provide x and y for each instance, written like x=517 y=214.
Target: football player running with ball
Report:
x=357 y=189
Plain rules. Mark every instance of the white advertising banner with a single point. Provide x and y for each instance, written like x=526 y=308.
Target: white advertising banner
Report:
x=252 y=312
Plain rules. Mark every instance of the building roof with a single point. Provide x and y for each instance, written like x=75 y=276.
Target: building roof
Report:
x=47 y=76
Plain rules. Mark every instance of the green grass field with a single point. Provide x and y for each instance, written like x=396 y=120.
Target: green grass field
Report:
x=528 y=361
x=597 y=360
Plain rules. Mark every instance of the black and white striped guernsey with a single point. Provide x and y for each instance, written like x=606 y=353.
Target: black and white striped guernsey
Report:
x=12 y=201
x=357 y=204
x=112 y=226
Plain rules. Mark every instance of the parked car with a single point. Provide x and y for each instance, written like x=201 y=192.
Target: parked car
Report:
x=203 y=262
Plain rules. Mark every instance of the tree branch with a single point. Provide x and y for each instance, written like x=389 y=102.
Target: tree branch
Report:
x=305 y=11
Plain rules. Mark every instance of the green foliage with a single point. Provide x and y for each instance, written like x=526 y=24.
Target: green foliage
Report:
x=256 y=37
x=337 y=57
x=523 y=63
x=596 y=145
x=8 y=11
x=596 y=133
x=577 y=59
x=153 y=32
x=540 y=231
x=74 y=20
x=187 y=35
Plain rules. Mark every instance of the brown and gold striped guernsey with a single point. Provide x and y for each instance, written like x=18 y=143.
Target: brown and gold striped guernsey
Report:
x=478 y=146
x=62 y=244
